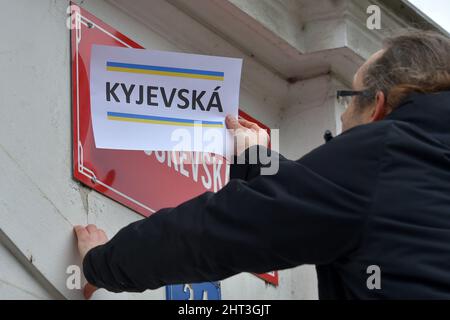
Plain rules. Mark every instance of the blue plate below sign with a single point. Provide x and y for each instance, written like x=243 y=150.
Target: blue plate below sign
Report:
x=195 y=291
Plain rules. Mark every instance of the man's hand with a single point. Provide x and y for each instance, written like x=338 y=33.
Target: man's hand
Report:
x=88 y=238
x=246 y=134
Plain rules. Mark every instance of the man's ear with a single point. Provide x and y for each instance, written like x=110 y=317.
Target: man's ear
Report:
x=380 y=109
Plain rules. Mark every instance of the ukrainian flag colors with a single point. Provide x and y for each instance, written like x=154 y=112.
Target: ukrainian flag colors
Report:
x=164 y=71
x=129 y=117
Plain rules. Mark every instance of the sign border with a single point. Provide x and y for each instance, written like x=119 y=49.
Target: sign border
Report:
x=80 y=19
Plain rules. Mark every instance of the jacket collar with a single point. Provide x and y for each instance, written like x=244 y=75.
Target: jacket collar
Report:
x=430 y=112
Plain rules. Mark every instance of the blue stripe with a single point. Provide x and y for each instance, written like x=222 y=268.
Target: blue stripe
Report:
x=165 y=69
x=140 y=116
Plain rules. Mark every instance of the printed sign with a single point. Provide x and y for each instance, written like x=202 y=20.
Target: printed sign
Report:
x=162 y=101
x=195 y=291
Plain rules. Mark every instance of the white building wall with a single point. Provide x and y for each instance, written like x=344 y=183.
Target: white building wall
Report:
x=16 y=282
x=40 y=202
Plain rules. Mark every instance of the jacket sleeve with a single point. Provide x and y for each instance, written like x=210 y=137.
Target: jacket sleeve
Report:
x=310 y=212
x=246 y=167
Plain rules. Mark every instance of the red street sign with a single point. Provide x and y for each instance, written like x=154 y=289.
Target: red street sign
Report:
x=142 y=181
x=270 y=277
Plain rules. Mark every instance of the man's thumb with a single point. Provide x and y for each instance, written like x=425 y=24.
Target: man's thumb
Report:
x=88 y=291
x=232 y=123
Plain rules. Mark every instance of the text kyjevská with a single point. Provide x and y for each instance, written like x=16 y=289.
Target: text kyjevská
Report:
x=151 y=96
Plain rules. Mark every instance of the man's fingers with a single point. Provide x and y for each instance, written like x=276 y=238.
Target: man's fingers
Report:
x=80 y=232
x=232 y=123
x=246 y=134
x=103 y=233
x=91 y=228
x=241 y=123
x=248 y=124
x=88 y=291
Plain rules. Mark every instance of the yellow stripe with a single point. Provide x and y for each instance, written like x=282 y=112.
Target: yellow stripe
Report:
x=164 y=73
x=172 y=123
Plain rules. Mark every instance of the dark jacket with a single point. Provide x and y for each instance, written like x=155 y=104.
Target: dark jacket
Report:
x=378 y=194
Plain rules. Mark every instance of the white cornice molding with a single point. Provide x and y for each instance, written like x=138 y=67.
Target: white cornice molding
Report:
x=189 y=35
x=281 y=41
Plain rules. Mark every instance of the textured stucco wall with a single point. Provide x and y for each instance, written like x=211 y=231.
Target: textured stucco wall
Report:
x=16 y=282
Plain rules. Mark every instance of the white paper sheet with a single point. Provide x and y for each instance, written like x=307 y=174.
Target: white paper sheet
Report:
x=155 y=100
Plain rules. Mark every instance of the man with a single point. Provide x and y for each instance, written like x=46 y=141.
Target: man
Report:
x=374 y=199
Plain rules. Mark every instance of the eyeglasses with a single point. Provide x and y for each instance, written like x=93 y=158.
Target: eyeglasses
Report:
x=344 y=97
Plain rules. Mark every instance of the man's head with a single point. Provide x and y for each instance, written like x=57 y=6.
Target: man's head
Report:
x=418 y=61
